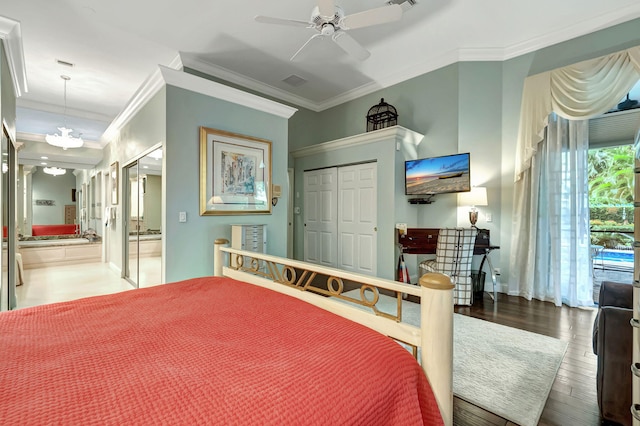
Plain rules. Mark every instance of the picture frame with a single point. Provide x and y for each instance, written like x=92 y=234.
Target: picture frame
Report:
x=235 y=173
x=114 y=173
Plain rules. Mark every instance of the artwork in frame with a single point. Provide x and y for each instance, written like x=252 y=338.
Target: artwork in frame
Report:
x=235 y=173
x=114 y=173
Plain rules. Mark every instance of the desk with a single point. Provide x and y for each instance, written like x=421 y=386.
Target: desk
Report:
x=424 y=241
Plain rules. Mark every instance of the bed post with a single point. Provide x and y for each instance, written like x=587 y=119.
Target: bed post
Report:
x=437 y=339
x=218 y=256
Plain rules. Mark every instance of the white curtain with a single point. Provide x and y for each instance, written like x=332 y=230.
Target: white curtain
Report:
x=555 y=263
x=579 y=91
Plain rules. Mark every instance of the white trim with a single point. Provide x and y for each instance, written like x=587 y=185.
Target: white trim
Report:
x=191 y=61
x=448 y=58
x=207 y=87
x=173 y=75
x=149 y=88
x=399 y=133
x=59 y=109
x=11 y=35
x=569 y=32
x=39 y=137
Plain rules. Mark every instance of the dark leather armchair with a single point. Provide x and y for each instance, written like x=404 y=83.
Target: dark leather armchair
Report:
x=613 y=343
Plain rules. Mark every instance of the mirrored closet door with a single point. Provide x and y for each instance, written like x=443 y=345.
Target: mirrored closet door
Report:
x=142 y=196
x=8 y=222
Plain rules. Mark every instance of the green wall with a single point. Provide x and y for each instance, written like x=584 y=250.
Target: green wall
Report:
x=464 y=107
x=189 y=246
x=146 y=129
x=469 y=107
x=7 y=93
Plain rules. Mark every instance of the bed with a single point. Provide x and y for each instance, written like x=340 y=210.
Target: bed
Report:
x=225 y=350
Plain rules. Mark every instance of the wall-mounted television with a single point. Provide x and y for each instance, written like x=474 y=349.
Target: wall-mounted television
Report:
x=437 y=175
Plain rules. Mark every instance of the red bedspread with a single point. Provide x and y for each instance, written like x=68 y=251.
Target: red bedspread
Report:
x=203 y=351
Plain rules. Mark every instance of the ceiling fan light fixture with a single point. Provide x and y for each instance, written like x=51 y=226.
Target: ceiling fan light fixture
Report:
x=64 y=140
x=54 y=171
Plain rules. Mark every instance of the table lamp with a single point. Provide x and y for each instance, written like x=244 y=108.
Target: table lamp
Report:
x=476 y=197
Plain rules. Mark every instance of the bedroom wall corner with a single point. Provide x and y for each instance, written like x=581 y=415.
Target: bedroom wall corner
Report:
x=144 y=130
x=189 y=245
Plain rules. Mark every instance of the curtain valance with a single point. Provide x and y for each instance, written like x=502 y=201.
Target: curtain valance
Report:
x=578 y=91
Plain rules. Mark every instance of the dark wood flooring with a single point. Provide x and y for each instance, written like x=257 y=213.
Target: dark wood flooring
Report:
x=572 y=400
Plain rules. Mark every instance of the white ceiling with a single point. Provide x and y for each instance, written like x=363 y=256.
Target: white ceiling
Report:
x=116 y=45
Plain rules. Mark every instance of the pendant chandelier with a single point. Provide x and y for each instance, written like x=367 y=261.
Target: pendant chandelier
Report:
x=64 y=140
x=55 y=171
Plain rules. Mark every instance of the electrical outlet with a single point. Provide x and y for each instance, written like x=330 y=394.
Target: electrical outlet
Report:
x=182 y=216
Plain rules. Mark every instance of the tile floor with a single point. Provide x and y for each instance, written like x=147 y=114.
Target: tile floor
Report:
x=69 y=282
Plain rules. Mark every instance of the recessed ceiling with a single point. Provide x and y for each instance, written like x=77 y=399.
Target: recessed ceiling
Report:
x=116 y=45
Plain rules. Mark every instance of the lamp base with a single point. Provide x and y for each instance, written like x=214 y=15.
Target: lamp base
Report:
x=473 y=217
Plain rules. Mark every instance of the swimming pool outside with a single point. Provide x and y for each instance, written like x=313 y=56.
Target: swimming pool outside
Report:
x=615 y=259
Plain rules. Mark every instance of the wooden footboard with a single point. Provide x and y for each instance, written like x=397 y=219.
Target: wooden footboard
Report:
x=325 y=288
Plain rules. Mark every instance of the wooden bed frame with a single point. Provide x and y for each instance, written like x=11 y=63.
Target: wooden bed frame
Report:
x=324 y=287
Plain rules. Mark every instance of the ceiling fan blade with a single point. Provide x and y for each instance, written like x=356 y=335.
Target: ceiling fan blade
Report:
x=313 y=39
x=379 y=15
x=279 y=21
x=327 y=8
x=350 y=45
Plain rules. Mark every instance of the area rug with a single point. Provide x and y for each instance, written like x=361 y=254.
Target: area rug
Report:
x=504 y=370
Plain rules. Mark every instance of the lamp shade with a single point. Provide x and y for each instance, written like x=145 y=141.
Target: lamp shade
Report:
x=476 y=197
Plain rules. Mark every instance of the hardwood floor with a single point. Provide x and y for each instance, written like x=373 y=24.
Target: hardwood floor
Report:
x=572 y=400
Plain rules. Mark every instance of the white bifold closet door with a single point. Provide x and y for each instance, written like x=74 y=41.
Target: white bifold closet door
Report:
x=341 y=217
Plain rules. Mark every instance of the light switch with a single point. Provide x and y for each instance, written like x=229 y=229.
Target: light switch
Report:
x=182 y=216
x=489 y=217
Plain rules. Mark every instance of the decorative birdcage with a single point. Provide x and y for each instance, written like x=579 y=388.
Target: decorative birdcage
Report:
x=381 y=116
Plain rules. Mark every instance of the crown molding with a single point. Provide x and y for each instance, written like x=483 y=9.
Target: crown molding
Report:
x=192 y=61
x=57 y=109
x=217 y=90
x=145 y=92
x=448 y=58
x=570 y=32
x=38 y=137
x=11 y=36
x=173 y=75
x=394 y=133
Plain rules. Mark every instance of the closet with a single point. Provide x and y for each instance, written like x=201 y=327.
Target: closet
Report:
x=340 y=217
x=142 y=204
x=351 y=195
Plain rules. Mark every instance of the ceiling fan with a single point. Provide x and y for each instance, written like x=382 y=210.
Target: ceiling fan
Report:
x=330 y=21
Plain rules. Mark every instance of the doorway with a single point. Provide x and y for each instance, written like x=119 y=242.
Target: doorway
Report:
x=611 y=218
x=142 y=203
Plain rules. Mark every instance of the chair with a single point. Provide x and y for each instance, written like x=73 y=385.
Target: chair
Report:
x=454 y=252
x=613 y=343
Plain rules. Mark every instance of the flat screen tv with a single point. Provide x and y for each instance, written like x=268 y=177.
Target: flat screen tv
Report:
x=437 y=175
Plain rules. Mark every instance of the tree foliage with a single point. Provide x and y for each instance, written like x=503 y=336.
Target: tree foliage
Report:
x=611 y=177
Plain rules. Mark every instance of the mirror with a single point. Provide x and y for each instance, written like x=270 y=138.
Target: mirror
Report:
x=9 y=236
x=143 y=207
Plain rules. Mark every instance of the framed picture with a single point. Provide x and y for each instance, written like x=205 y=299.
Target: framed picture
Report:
x=235 y=173
x=115 y=174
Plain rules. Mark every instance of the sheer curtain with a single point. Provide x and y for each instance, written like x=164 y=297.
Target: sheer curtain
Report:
x=559 y=269
x=547 y=253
